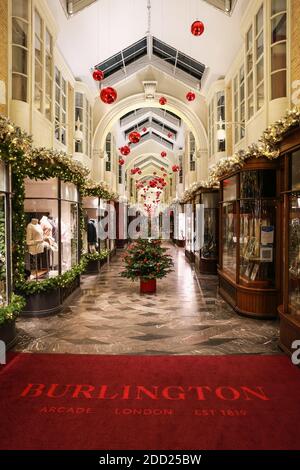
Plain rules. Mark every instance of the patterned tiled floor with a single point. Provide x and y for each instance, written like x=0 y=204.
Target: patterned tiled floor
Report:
x=186 y=316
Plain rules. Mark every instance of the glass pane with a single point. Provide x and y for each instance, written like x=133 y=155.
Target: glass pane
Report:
x=250 y=84
x=3 y=272
x=259 y=19
x=79 y=100
x=278 y=6
x=20 y=8
x=294 y=251
x=249 y=40
x=48 y=42
x=49 y=64
x=230 y=189
x=48 y=85
x=64 y=102
x=242 y=74
x=38 y=188
x=57 y=76
x=260 y=71
x=209 y=249
x=249 y=62
x=258 y=183
x=38 y=74
x=242 y=92
x=38 y=49
x=69 y=235
x=278 y=28
x=48 y=109
x=37 y=24
x=19 y=87
x=294 y=180
x=260 y=96
x=69 y=192
x=42 y=241
x=19 y=60
x=257 y=242
x=250 y=107
x=260 y=45
x=19 y=32
x=278 y=57
x=229 y=239
x=79 y=114
x=278 y=85
x=57 y=94
x=3 y=177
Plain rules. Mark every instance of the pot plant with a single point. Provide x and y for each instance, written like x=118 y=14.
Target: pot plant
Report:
x=147 y=260
x=8 y=315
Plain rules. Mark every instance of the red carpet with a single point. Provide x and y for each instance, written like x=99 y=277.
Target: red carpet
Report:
x=144 y=402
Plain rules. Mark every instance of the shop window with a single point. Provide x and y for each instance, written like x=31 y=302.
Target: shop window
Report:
x=239 y=105
x=4 y=237
x=192 y=153
x=211 y=128
x=249 y=72
x=60 y=107
x=83 y=112
x=278 y=49
x=221 y=144
x=79 y=108
x=43 y=67
x=108 y=150
x=51 y=228
x=20 y=31
x=120 y=174
x=181 y=170
x=259 y=58
x=69 y=226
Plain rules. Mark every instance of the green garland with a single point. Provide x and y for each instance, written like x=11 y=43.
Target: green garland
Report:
x=103 y=254
x=40 y=164
x=11 y=311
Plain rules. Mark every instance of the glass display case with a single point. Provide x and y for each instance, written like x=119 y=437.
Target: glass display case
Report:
x=289 y=311
x=249 y=238
x=5 y=236
x=206 y=258
x=52 y=228
x=189 y=210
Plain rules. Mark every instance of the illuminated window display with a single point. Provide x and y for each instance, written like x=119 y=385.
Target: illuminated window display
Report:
x=5 y=268
x=290 y=310
x=51 y=211
x=249 y=220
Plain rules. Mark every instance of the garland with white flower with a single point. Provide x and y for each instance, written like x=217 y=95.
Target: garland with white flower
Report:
x=189 y=193
x=268 y=146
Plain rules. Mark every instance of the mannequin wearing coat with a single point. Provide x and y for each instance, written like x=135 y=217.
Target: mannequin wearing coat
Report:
x=35 y=238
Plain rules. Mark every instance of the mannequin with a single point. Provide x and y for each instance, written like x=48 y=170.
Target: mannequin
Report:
x=35 y=238
x=48 y=232
x=92 y=235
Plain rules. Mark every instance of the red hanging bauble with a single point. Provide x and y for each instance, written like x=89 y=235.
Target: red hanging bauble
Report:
x=98 y=75
x=121 y=161
x=163 y=154
x=190 y=96
x=197 y=28
x=108 y=95
x=162 y=168
x=170 y=135
x=144 y=129
x=134 y=137
x=162 y=100
x=125 y=150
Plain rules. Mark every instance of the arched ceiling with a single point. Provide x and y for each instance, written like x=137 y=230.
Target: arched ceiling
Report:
x=108 y=26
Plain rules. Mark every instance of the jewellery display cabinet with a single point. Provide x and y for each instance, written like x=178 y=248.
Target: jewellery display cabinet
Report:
x=289 y=311
x=249 y=271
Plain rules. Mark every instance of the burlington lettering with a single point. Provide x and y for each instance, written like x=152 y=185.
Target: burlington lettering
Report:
x=140 y=392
